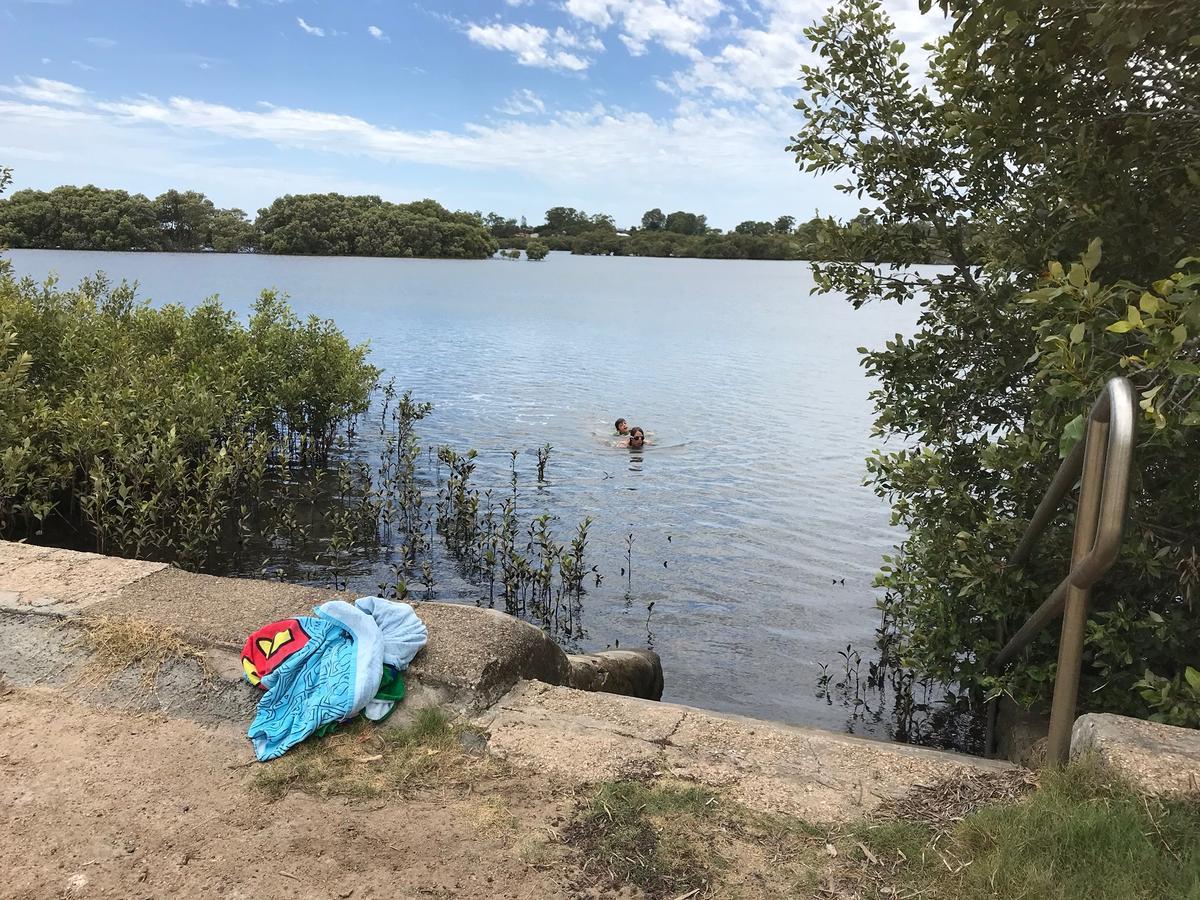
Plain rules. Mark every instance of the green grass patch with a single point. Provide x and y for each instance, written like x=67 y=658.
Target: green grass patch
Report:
x=365 y=760
x=1082 y=834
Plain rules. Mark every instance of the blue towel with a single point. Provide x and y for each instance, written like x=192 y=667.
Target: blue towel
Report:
x=336 y=675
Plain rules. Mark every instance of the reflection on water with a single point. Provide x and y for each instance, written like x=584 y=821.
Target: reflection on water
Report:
x=754 y=542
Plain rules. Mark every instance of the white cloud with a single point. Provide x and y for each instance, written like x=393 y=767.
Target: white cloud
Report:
x=102 y=42
x=82 y=66
x=678 y=25
x=595 y=146
x=522 y=103
x=719 y=150
x=634 y=46
x=310 y=29
x=594 y=12
x=518 y=2
x=376 y=32
x=757 y=63
x=46 y=90
x=587 y=41
x=532 y=45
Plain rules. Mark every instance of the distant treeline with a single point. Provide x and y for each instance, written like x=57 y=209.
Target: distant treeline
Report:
x=91 y=218
x=685 y=234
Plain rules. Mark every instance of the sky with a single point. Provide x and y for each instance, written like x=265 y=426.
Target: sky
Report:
x=513 y=106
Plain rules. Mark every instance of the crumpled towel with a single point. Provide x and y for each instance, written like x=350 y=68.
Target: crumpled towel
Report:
x=326 y=668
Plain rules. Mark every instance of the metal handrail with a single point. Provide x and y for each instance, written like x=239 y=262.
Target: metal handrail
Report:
x=1102 y=463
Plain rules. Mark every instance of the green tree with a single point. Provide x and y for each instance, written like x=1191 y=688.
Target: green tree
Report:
x=499 y=226
x=751 y=227
x=231 y=232
x=185 y=218
x=784 y=225
x=1049 y=132
x=653 y=220
x=536 y=250
x=566 y=220
x=336 y=225
x=681 y=222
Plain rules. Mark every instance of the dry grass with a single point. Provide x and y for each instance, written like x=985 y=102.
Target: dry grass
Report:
x=365 y=760
x=945 y=803
x=115 y=645
x=1068 y=834
x=673 y=839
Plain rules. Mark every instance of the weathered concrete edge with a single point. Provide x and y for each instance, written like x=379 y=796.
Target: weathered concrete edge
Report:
x=491 y=668
x=474 y=657
x=1161 y=759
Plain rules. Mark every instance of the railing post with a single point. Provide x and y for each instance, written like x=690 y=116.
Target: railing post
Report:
x=1075 y=610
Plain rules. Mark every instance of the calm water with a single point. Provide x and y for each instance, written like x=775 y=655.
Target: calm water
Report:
x=746 y=508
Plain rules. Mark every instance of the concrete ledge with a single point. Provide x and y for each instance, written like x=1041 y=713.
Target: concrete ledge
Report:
x=473 y=658
x=64 y=580
x=818 y=775
x=504 y=672
x=1157 y=758
x=48 y=651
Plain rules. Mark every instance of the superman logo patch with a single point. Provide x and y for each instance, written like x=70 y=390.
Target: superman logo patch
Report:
x=266 y=649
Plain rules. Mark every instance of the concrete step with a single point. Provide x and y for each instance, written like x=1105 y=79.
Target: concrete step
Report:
x=817 y=775
x=506 y=675
x=1159 y=758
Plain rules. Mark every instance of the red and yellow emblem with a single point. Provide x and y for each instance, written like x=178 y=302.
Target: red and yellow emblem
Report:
x=266 y=649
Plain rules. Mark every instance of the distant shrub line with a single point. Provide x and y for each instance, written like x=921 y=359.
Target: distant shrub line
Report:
x=91 y=218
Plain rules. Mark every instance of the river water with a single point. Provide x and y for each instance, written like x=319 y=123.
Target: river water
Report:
x=747 y=509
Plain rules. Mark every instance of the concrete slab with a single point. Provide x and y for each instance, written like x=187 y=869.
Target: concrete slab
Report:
x=210 y=609
x=820 y=776
x=47 y=651
x=1157 y=758
x=64 y=580
x=477 y=655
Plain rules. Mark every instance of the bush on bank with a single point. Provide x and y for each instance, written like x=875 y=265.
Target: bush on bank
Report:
x=141 y=431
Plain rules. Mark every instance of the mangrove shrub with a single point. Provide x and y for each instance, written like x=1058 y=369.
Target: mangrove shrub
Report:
x=1051 y=157
x=142 y=431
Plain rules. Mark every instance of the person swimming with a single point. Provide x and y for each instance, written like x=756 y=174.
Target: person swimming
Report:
x=622 y=427
x=637 y=438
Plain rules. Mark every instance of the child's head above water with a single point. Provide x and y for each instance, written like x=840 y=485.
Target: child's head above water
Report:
x=622 y=426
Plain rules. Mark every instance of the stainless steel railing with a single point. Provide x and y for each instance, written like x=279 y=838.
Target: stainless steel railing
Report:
x=1102 y=463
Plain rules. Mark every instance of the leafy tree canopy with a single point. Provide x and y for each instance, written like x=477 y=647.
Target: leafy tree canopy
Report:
x=89 y=218
x=1052 y=160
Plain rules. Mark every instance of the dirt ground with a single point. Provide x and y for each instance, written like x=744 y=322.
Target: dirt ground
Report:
x=106 y=804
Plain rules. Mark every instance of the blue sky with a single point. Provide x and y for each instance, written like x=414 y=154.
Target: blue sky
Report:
x=515 y=105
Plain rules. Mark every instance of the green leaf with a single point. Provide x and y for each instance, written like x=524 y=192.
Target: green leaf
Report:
x=1133 y=315
x=1091 y=258
x=1164 y=286
x=1072 y=434
x=1056 y=270
x=1148 y=303
x=1077 y=276
x=1120 y=326
x=1179 y=334
x=1193 y=678
x=1077 y=332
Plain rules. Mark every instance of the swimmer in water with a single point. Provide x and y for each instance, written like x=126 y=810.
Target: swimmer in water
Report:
x=622 y=426
x=637 y=438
